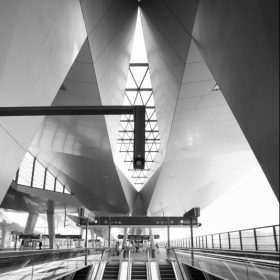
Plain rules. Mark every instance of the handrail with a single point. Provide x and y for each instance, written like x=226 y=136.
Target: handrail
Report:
x=103 y=254
x=223 y=240
x=181 y=272
x=149 y=266
x=128 y=265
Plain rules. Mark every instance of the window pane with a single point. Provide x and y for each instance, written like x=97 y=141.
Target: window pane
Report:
x=49 y=182
x=265 y=239
x=235 y=240
x=66 y=191
x=216 y=241
x=59 y=187
x=248 y=240
x=25 y=170
x=224 y=241
x=39 y=174
x=209 y=241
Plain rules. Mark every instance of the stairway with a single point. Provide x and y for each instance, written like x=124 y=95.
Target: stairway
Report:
x=82 y=274
x=138 y=271
x=167 y=272
x=111 y=271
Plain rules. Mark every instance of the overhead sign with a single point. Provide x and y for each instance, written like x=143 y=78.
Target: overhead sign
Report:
x=66 y=236
x=138 y=221
x=138 y=237
x=193 y=213
x=29 y=236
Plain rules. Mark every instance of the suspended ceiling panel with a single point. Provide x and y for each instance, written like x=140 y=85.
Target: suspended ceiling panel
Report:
x=198 y=182
x=167 y=38
x=77 y=148
x=203 y=123
x=110 y=26
x=205 y=145
x=31 y=71
x=235 y=39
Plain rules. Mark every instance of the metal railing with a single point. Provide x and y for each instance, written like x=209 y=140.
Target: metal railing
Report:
x=227 y=266
x=262 y=239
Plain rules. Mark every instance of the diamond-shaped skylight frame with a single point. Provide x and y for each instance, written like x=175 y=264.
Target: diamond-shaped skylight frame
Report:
x=139 y=92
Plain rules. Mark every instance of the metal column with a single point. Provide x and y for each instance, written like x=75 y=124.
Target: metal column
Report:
x=168 y=233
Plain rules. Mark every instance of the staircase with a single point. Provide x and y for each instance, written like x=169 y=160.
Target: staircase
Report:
x=82 y=274
x=139 y=271
x=111 y=271
x=166 y=272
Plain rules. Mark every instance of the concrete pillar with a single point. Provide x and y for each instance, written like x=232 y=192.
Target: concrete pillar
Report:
x=3 y=235
x=51 y=223
x=92 y=233
x=152 y=238
x=31 y=223
x=125 y=234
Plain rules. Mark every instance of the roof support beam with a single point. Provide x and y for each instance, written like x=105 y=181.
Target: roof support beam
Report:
x=138 y=112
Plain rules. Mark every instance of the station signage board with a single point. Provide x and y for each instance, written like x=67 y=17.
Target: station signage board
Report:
x=138 y=221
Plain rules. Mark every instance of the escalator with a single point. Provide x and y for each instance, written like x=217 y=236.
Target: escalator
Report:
x=167 y=272
x=111 y=271
x=138 y=271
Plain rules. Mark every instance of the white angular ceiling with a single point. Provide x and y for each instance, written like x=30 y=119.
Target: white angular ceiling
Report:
x=204 y=152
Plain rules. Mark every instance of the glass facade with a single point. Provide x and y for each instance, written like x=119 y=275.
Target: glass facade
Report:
x=33 y=174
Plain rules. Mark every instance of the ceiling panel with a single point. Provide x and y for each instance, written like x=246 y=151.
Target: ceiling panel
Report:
x=167 y=42
x=32 y=73
x=194 y=89
x=94 y=11
x=110 y=40
x=158 y=15
x=196 y=72
x=82 y=72
x=81 y=89
x=239 y=51
x=185 y=184
x=205 y=141
x=214 y=99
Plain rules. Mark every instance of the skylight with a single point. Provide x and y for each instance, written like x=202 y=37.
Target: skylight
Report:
x=139 y=92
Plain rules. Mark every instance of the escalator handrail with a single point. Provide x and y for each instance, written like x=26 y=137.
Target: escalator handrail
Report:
x=177 y=261
x=149 y=266
x=103 y=254
x=129 y=265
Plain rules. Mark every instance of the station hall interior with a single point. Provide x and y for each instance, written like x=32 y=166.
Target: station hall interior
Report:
x=207 y=74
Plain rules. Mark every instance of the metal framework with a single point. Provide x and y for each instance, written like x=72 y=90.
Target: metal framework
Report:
x=139 y=92
x=66 y=110
x=137 y=111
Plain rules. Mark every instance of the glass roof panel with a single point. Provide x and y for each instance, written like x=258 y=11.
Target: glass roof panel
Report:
x=131 y=83
x=147 y=81
x=138 y=74
x=139 y=92
x=139 y=53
